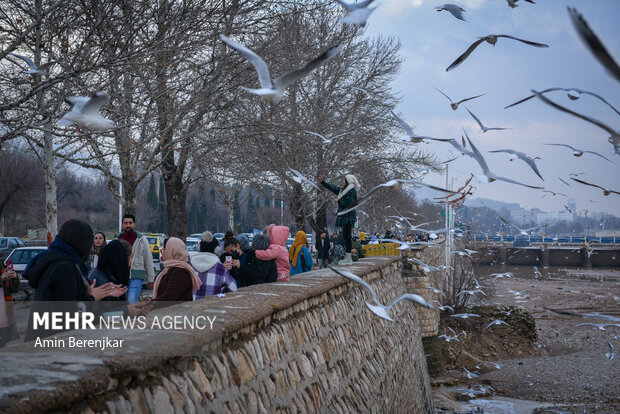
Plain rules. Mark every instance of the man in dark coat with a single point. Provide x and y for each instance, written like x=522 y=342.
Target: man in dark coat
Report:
x=322 y=248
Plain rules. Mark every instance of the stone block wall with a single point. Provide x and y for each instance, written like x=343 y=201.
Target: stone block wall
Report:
x=304 y=347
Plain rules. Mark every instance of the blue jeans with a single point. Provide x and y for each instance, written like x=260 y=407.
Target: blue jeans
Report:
x=133 y=291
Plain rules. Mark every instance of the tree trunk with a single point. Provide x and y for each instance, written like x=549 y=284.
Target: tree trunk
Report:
x=176 y=196
x=49 y=169
x=231 y=216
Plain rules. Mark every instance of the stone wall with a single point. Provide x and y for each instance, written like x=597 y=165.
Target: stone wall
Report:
x=307 y=346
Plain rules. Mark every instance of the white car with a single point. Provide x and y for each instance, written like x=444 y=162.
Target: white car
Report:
x=193 y=245
x=20 y=258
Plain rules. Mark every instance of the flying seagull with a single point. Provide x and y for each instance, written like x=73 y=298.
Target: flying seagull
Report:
x=491 y=39
x=501 y=275
x=579 y=152
x=489 y=176
x=34 y=69
x=554 y=193
x=585 y=315
x=390 y=184
x=454 y=10
x=273 y=92
x=572 y=93
x=470 y=292
x=593 y=43
x=299 y=178
x=600 y=326
x=522 y=156
x=465 y=315
x=523 y=232
x=460 y=149
x=606 y=191
x=85 y=112
x=357 y=13
x=325 y=140
x=455 y=105
x=564 y=182
x=496 y=322
x=484 y=129
x=435 y=290
x=614 y=139
x=379 y=309
x=611 y=354
x=413 y=136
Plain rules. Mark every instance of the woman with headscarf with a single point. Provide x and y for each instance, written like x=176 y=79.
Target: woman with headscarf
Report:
x=99 y=242
x=178 y=280
x=299 y=254
x=113 y=266
x=345 y=197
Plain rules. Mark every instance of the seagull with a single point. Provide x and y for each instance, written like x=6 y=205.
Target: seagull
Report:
x=578 y=152
x=496 y=322
x=593 y=43
x=572 y=93
x=470 y=292
x=478 y=285
x=325 y=140
x=517 y=292
x=537 y=272
x=357 y=13
x=553 y=192
x=425 y=267
x=489 y=176
x=461 y=150
x=606 y=192
x=455 y=336
x=522 y=156
x=614 y=139
x=513 y=3
x=390 y=184
x=611 y=354
x=500 y=275
x=470 y=374
x=454 y=10
x=435 y=290
x=465 y=315
x=299 y=178
x=379 y=309
x=600 y=326
x=491 y=39
x=470 y=251
x=522 y=232
x=34 y=69
x=274 y=92
x=413 y=136
x=484 y=129
x=564 y=182
x=454 y=105
x=443 y=307
x=585 y=315
x=460 y=253
x=85 y=112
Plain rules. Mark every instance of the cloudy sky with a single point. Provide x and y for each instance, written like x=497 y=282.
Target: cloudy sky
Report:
x=506 y=73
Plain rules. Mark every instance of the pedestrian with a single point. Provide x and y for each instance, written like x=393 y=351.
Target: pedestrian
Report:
x=9 y=284
x=141 y=257
x=98 y=242
x=214 y=277
x=339 y=250
x=345 y=197
x=262 y=271
x=363 y=240
x=113 y=266
x=237 y=261
x=178 y=280
x=323 y=246
x=299 y=254
x=277 y=236
x=357 y=250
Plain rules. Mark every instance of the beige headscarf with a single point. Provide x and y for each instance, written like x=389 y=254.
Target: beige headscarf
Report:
x=177 y=256
x=353 y=183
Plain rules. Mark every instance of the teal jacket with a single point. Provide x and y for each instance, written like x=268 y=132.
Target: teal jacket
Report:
x=344 y=203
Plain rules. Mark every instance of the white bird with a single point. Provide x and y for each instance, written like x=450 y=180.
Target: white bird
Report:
x=484 y=129
x=425 y=267
x=357 y=13
x=412 y=135
x=578 y=152
x=460 y=253
x=614 y=139
x=379 y=309
x=585 y=315
x=611 y=354
x=522 y=156
x=460 y=149
x=593 y=43
x=455 y=105
x=477 y=285
x=390 y=184
x=435 y=290
x=470 y=292
x=34 y=69
x=606 y=191
x=454 y=337
x=552 y=192
x=600 y=326
x=325 y=140
x=491 y=39
x=517 y=292
x=299 y=178
x=470 y=374
x=443 y=307
x=522 y=232
x=501 y=275
x=572 y=93
x=274 y=92
x=496 y=322
x=537 y=272
x=487 y=175
x=85 y=112
x=564 y=182
x=454 y=10
x=465 y=315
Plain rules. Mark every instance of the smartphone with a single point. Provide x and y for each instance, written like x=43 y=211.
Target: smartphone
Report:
x=229 y=260
x=9 y=265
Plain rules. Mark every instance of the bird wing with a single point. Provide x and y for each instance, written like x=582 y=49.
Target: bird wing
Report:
x=413 y=298
x=509 y=180
x=94 y=104
x=318 y=135
x=356 y=279
x=77 y=102
x=563 y=145
x=289 y=78
x=596 y=153
x=593 y=43
x=599 y=97
x=341 y=135
x=507 y=222
x=527 y=42
x=29 y=62
x=468 y=99
x=443 y=94
x=476 y=118
x=529 y=161
x=456 y=11
x=259 y=64
x=532 y=96
x=460 y=148
x=465 y=55
x=403 y=125
x=298 y=174
x=478 y=156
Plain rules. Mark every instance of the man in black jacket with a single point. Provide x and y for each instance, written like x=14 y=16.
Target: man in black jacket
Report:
x=245 y=267
x=322 y=248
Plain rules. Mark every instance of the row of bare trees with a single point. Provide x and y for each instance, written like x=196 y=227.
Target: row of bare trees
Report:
x=175 y=96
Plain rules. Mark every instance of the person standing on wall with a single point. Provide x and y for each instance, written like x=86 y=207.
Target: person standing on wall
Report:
x=322 y=248
x=345 y=197
x=141 y=258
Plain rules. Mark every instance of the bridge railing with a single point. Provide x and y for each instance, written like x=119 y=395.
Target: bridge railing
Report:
x=546 y=239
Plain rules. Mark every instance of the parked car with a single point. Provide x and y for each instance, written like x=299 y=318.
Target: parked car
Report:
x=156 y=243
x=20 y=258
x=219 y=236
x=8 y=244
x=193 y=245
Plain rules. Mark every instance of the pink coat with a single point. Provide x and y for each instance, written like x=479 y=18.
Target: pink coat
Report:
x=277 y=236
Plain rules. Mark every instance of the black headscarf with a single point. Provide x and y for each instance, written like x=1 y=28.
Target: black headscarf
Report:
x=113 y=262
